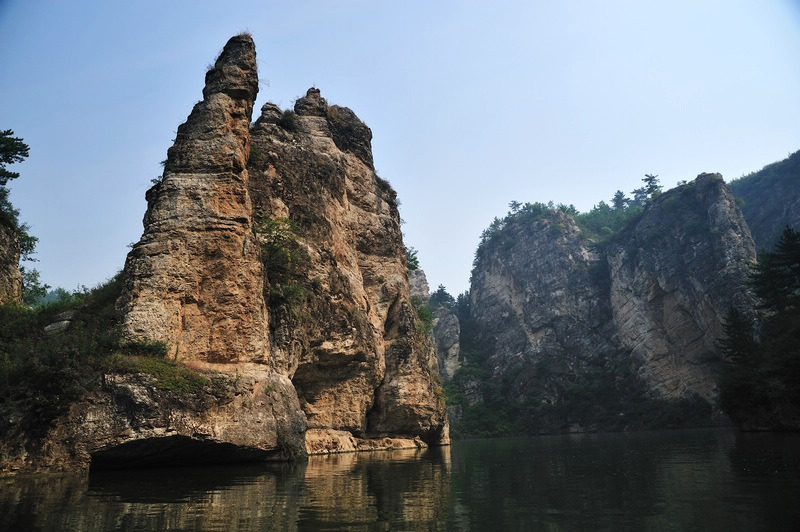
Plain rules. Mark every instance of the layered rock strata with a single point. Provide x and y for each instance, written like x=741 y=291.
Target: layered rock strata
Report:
x=195 y=281
x=272 y=269
x=349 y=339
x=561 y=315
x=674 y=275
x=540 y=312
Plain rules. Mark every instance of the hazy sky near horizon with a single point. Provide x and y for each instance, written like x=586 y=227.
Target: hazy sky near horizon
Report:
x=471 y=104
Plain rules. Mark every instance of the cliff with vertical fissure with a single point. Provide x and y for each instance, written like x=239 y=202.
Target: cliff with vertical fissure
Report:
x=579 y=335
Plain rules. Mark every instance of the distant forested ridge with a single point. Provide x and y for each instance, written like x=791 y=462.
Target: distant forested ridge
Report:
x=770 y=199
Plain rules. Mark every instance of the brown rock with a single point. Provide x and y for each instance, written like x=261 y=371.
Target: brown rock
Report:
x=350 y=344
x=194 y=280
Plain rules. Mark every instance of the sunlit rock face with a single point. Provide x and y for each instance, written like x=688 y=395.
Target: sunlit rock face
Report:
x=350 y=342
x=10 y=278
x=342 y=354
x=557 y=312
x=194 y=280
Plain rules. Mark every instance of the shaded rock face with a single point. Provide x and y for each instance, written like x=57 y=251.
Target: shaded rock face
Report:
x=446 y=328
x=542 y=315
x=771 y=200
x=10 y=278
x=133 y=422
x=350 y=343
x=674 y=276
x=446 y=334
x=195 y=280
x=557 y=312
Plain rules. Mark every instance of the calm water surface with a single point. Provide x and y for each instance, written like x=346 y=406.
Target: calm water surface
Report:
x=676 y=480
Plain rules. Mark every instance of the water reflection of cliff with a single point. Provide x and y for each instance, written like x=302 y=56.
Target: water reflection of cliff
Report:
x=347 y=491
x=355 y=490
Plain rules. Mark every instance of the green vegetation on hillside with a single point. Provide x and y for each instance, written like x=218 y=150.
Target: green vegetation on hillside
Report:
x=14 y=150
x=285 y=261
x=600 y=223
x=42 y=373
x=766 y=199
x=761 y=383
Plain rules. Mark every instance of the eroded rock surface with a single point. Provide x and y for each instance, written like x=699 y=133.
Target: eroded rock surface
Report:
x=446 y=333
x=195 y=280
x=10 y=278
x=543 y=317
x=273 y=270
x=563 y=318
x=674 y=276
x=349 y=338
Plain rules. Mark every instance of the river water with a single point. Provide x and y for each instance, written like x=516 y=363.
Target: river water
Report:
x=670 y=480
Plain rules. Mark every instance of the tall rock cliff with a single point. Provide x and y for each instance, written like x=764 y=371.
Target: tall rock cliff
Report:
x=577 y=333
x=348 y=336
x=10 y=278
x=674 y=274
x=194 y=281
x=445 y=327
x=272 y=272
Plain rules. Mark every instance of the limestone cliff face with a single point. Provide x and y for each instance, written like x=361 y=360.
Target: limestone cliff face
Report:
x=674 y=276
x=10 y=278
x=560 y=315
x=273 y=269
x=542 y=314
x=445 y=330
x=195 y=280
x=350 y=342
x=446 y=336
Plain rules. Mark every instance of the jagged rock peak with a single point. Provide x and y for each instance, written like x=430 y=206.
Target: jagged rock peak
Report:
x=235 y=71
x=195 y=281
x=313 y=115
x=312 y=104
x=418 y=284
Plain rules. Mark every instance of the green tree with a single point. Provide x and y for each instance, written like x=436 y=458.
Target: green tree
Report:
x=739 y=343
x=12 y=150
x=412 y=261
x=33 y=290
x=440 y=298
x=763 y=377
x=620 y=201
x=651 y=185
x=776 y=276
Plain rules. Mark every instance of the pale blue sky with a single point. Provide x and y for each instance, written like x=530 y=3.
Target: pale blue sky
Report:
x=471 y=104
